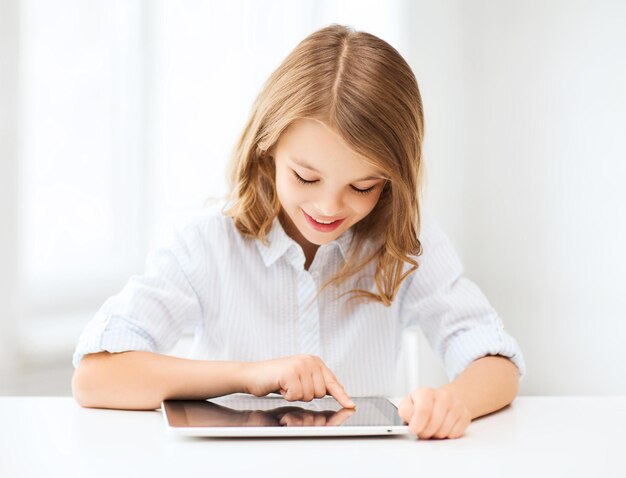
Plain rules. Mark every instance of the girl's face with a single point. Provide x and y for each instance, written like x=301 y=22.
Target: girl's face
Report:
x=323 y=186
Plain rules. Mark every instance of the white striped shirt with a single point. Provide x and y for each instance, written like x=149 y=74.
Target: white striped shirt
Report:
x=248 y=302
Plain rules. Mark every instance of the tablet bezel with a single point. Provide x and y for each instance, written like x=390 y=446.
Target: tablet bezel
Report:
x=278 y=431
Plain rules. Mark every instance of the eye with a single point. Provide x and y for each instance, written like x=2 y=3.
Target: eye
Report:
x=301 y=179
x=363 y=191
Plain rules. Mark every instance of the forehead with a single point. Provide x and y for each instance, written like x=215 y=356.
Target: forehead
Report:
x=311 y=143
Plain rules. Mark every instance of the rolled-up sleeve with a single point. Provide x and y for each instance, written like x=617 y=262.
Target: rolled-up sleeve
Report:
x=150 y=312
x=452 y=312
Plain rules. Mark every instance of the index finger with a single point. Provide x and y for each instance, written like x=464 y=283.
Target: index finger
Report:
x=339 y=417
x=336 y=389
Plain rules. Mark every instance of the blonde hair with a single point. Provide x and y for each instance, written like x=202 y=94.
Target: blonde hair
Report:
x=363 y=89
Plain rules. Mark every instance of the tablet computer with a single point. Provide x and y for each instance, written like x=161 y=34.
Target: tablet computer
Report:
x=242 y=415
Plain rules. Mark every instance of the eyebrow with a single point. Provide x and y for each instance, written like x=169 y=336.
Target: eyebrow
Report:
x=304 y=164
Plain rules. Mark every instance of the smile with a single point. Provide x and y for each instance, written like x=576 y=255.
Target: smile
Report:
x=322 y=226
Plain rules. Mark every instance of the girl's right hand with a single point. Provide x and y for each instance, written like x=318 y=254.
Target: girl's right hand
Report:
x=298 y=377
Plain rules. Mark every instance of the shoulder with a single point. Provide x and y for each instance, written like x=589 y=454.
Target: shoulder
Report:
x=430 y=233
x=435 y=242
x=209 y=221
x=201 y=229
x=438 y=265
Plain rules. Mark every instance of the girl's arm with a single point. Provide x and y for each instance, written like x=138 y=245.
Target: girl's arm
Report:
x=486 y=385
x=142 y=380
x=138 y=380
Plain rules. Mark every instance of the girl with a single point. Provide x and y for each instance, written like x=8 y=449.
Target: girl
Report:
x=304 y=281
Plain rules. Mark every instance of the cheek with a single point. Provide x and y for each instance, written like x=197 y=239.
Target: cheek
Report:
x=362 y=206
x=288 y=192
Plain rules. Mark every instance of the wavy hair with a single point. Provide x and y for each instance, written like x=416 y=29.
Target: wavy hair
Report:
x=363 y=89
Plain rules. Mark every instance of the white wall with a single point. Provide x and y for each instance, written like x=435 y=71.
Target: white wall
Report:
x=526 y=111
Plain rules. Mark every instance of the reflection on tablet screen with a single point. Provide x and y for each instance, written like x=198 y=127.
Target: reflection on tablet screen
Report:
x=247 y=411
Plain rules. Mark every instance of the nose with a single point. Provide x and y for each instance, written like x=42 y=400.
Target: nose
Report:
x=329 y=205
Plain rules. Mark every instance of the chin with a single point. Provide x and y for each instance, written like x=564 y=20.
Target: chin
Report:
x=319 y=239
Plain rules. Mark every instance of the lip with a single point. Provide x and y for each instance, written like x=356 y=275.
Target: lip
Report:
x=323 y=227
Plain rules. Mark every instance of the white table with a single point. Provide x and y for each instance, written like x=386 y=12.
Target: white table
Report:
x=535 y=436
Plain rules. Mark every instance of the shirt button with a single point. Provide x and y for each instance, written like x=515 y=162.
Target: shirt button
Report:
x=315 y=274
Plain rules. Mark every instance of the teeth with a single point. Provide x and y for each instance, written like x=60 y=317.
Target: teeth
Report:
x=323 y=222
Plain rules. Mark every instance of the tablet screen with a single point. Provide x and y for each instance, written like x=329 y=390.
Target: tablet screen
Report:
x=250 y=411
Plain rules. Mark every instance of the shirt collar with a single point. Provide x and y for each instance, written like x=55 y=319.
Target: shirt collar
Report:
x=280 y=244
x=343 y=242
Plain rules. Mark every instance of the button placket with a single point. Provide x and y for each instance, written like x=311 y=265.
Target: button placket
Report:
x=308 y=317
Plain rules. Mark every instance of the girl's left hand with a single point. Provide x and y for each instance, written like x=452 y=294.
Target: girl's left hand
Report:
x=434 y=412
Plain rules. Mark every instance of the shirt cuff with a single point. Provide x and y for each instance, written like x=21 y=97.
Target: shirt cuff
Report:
x=117 y=334
x=477 y=343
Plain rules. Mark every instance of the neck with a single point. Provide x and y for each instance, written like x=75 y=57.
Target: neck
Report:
x=292 y=231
